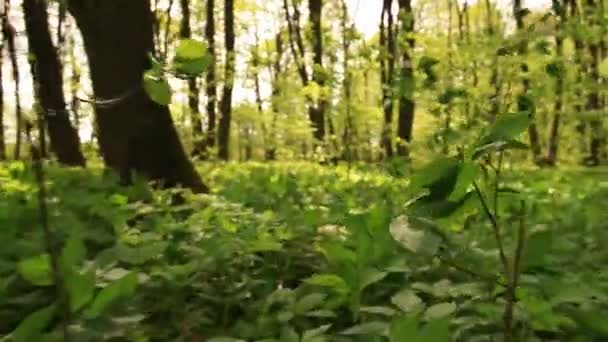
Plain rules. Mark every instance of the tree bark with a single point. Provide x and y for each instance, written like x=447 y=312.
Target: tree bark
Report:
x=135 y=133
x=9 y=35
x=406 y=97
x=229 y=69
x=210 y=81
x=524 y=102
x=48 y=86
x=387 y=70
x=185 y=32
x=2 y=132
x=559 y=89
x=318 y=109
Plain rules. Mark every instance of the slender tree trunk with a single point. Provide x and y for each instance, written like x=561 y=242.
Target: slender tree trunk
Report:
x=276 y=72
x=387 y=71
x=559 y=91
x=9 y=35
x=495 y=81
x=74 y=77
x=48 y=85
x=229 y=69
x=135 y=133
x=406 y=99
x=593 y=11
x=2 y=132
x=185 y=32
x=210 y=79
x=315 y=8
x=525 y=103
x=168 y=23
x=349 y=126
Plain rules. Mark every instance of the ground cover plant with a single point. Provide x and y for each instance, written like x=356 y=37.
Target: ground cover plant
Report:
x=303 y=170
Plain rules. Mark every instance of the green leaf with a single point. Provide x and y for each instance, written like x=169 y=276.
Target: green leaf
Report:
x=467 y=174
x=440 y=310
x=404 y=328
x=435 y=331
x=289 y=335
x=416 y=241
x=37 y=270
x=603 y=68
x=407 y=301
x=370 y=276
x=141 y=254
x=328 y=280
x=80 y=287
x=74 y=251
x=507 y=127
x=311 y=335
x=368 y=328
x=120 y=289
x=309 y=302
x=434 y=175
x=378 y=310
x=157 y=88
x=29 y=329
x=500 y=145
x=190 y=49
x=191 y=58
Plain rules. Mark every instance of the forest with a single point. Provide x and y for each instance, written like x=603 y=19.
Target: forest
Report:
x=303 y=170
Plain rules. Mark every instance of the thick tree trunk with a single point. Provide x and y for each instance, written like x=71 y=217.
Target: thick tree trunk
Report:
x=229 y=69
x=48 y=85
x=210 y=80
x=185 y=32
x=135 y=133
x=406 y=99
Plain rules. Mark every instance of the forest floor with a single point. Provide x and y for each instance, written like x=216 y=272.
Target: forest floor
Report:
x=296 y=252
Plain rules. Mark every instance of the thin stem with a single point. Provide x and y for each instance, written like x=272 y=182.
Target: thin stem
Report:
x=496 y=228
x=514 y=281
x=471 y=272
x=497 y=184
x=48 y=236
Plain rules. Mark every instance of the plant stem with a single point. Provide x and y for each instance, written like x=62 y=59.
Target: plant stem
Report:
x=48 y=237
x=496 y=228
x=514 y=280
x=471 y=272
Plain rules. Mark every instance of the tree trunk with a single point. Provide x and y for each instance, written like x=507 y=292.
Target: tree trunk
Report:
x=559 y=89
x=9 y=36
x=185 y=32
x=135 y=133
x=229 y=69
x=525 y=103
x=48 y=85
x=210 y=81
x=406 y=97
x=276 y=72
x=594 y=101
x=387 y=70
x=2 y=134
x=317 y=114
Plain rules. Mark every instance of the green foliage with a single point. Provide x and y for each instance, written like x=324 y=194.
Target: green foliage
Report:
x=296 y=251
